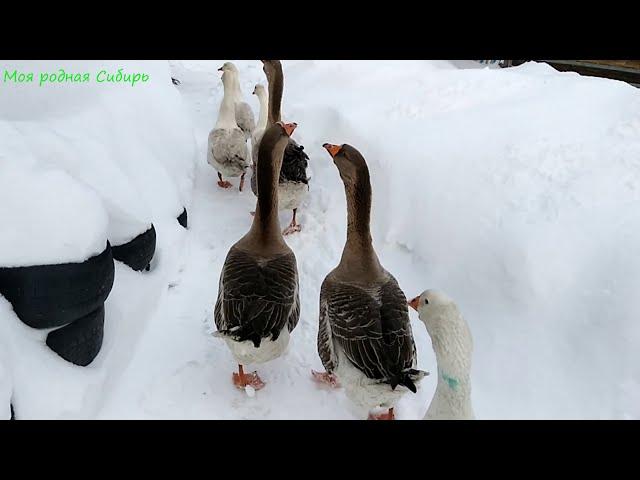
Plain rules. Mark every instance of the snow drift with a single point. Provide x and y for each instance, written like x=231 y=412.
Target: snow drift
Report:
x=133 y=145
x=48 y=218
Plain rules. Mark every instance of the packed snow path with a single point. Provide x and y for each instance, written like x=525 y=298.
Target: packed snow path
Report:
x=515 y=191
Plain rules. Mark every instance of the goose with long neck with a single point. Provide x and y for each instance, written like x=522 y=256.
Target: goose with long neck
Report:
x=243 y=113
x=365 y=340
x=453 y=345
x=293 y=184
x=260 y=92
x=258 y=304
x=227 y=150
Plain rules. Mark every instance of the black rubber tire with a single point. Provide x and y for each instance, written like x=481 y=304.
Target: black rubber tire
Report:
x=46 y=296
x=137 y=253
x=183 y=220
x=81 y=341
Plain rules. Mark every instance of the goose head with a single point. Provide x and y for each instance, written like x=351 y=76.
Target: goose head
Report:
x=449 y=332
x=270 y=67
x=228 y=67
x=259 y=91
x=288 y=128
x=275 y=134
x=230 y=74
x=349 y=161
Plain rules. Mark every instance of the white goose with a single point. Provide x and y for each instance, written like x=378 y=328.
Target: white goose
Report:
x=244 y=115
x=227 y=151
x=256 y=135
x=453 y=346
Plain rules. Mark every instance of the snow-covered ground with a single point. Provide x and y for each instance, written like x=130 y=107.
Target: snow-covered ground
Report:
x=513 y=190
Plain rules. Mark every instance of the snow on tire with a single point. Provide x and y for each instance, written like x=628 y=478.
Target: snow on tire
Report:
x=137 y=253
x=47 y=296
x=81 y=341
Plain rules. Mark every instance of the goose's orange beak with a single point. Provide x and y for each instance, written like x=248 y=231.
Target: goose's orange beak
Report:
x=332 y=149
x=414 y=303
x=289 y=128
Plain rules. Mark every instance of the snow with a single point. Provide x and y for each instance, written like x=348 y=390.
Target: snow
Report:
x=133 y=145
x=512 y=190
x=31 y=204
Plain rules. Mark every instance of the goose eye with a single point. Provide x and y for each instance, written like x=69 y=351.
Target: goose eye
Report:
x=426 y=302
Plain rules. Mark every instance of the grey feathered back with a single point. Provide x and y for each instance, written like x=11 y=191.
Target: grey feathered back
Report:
x=245 y=119
x=228 y=151
x=257 y=297
x=371 y=325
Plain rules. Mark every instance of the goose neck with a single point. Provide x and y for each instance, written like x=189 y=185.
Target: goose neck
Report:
x=359 y=254
x=266 y=224
x=227 y=115
x=264 y=110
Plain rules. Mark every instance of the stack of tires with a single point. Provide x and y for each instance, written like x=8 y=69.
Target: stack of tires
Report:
x=6 y=387
x=138 y=252
x=56 y=264
x=67 y=298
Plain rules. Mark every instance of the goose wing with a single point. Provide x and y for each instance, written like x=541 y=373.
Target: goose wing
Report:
x=294 y=164
x=228 y=146
x=245 y=118
x=257 y=297
x=372 y=327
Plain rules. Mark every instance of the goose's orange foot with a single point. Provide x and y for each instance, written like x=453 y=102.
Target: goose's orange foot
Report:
x=292 y=228
x=326 y=378
x=224 y=184
x=242 y=380
x=382 y=416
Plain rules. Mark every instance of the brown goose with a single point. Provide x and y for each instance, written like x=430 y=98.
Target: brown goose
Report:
x=293 y=184
x=258 y=304
x=364 y=339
